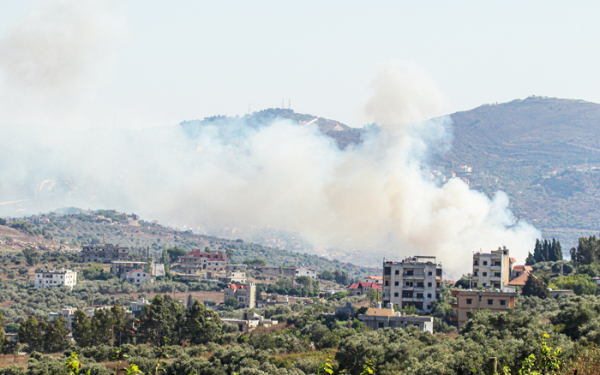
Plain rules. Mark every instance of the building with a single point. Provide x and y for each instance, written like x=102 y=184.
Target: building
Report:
x=288 y=272
x=373 y=279
x=197 y=261
x=519 y=270
x=245 y=294
x=250 y=321
x=104 y=253
x=47 y=279
x=67 y=313
x=491 y=270
x=360 y=289
x=378 y=318
x=415 y=281
x=137 y=307
x=158 y=269
x=305 y=271
x=120 y=268
x=468 y=301
x=346 y=311
x=560 y=292
x=138 y=277
x=234 y=277
x=521 y=280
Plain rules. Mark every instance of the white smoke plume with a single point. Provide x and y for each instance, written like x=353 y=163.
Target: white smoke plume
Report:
x=54 y=59
x=367 y=201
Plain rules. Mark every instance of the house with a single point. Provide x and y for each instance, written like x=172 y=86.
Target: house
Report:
x=137 y=307
x=67 y=313
x=234 y=277
x=415 y=281
x=138 y=277
x=362 y=288
x=560 y=292
x=288 y=272
x=305 y=271
x=104 y=253
x=245 y=294
x=197 y=261
x=521 y=280
x=346 y=311
x=46 y=279
x=468 y=301
x=519 y=270
x=120 y=268
x=379 y=318
x=491 y=269
x=250 y=321
x=373 y=279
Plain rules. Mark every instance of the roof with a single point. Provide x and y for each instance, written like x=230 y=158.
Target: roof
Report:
x=521 y=280
x=380 y=312
x=237 y=286
x=513 y=260
x=139 y=270
x=364 y=285
x=374 y=278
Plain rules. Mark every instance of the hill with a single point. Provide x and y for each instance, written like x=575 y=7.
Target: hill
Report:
x=542 y=152
x=73 y=230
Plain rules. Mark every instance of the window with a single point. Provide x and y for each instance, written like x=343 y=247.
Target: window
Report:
x=437 y=285
x=484 y=274
x=429 y=273
x=380 y=324
x=397 y=283
x=502 y=302
x=387 y=283
x=397 y=272
x=387 y=271
x=429 y=285
x=497 y=274
x=475 y=263
x=485 y=262
x=419 y=295
x=395 y=294
x=428 y=295
x=490 y=301
x=410 y=272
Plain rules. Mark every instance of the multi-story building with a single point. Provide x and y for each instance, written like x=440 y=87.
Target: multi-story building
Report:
x=158 y=269
x=415 y=281
x=138 y=277
x=305 y=271
x=197 y=261
x=474 y=300
x=120 y=268
x=373 y=279
x=378 y=318
x=491 y=270
x=104 y=253
x=360 y=289
x=46 y=279
x=245 y=294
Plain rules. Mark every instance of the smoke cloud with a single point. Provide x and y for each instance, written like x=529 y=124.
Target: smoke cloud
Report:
x=367 y=201
x=53 y=61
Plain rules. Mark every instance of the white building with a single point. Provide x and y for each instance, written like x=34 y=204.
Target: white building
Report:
x=158 y=269
x=373 y=279
x=491 y=269
x=137 y=277
x=68 y=314
x=47 y=279
x=305 y=271
x=378 y=318
x=415 y=281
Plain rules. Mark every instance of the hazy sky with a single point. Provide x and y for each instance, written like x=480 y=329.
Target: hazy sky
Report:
x=149 y=63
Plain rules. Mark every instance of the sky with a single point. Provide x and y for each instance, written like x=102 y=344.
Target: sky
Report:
x=139 y=64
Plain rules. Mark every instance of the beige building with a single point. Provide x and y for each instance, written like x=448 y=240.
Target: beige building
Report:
x=138 y=277
x=120 y=268
x=491 y=270
x=378 y=318
x=415 y=281
x=250 y=321
x=245 y=294
x=474 y=300
x=105 y=253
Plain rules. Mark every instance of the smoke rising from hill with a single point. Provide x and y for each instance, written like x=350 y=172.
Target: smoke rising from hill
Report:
x=369 y=200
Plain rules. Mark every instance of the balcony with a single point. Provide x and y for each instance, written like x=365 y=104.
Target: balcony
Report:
x=454 y=306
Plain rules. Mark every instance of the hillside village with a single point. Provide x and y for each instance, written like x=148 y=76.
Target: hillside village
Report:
x=406 y=294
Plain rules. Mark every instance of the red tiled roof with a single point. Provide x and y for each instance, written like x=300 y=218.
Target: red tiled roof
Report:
x=364 y=285
x=521 y=280
x=237 y=286
x=374 y=277
x=528 y=268
x=519 y=267
x=513 y=260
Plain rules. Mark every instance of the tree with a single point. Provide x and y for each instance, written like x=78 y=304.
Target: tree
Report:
x=55 y=335
x=232 y=302
x=201 y=324
x=535 y=287
x=160 y=321
x=32 y=257
x=101 y=324
x=374 y=295
x=30 y=333
x=587 y=251
x=175 y=253
x=255 y=262
x=2 y=335
x=556 y=251
x=82 y=329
